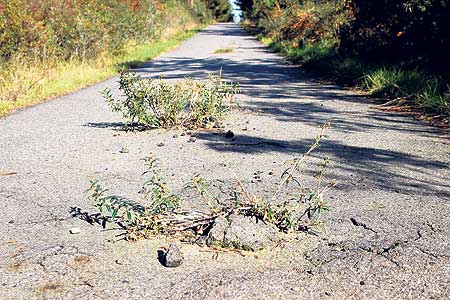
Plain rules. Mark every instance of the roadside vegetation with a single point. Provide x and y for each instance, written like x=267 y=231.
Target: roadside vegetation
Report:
x=49 y=47
x=393 y=49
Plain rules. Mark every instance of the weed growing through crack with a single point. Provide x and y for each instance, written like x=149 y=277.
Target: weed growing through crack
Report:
x=139 y=220
x=155 y=103
x=300 y=209
x=296 y=209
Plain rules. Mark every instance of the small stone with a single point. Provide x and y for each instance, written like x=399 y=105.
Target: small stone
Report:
x=160 y=144
x=183 y=134
x=175 y=136
x=11 y=222
x=124 y=150
x=295 y=289
x=229 y=134
x=192 y=139
x=173 y=257
x=74 y=230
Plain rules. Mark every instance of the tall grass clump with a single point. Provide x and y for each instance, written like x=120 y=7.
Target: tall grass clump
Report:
x=435 y=95
x=422 y=90
x=393 y=81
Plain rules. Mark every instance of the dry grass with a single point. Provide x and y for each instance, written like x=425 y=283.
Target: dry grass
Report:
x=29 y=85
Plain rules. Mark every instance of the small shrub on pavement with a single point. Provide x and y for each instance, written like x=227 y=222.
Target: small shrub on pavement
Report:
x=299 y=209
x=155 y=103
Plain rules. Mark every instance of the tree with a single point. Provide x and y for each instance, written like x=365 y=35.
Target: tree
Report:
x=246 y=7
x=221 y=10
x=400 y=29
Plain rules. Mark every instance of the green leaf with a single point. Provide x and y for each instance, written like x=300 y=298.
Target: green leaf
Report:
x=114 y=213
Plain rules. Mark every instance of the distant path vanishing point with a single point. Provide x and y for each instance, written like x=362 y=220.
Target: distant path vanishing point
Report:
x=387 y=236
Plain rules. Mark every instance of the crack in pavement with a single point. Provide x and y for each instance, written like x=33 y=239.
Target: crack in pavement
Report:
x=360 y=224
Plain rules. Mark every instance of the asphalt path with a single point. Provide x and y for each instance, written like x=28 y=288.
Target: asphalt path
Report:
x=387 y=236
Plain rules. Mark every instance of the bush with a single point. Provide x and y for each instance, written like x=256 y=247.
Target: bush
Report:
x=65 y=30
x=395 y=30
x=220 y=9
x=157 y=103
x=40 y=30
x=301 y=22
x=385 y=30
x=51 y=47
x=394 y=49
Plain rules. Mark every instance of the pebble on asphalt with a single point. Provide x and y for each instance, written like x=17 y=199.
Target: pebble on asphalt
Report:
x=229 y=134
x=173 y=257
x=124 y=150
x=74 y=230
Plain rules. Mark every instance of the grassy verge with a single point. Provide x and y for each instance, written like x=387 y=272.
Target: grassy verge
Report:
x=430 y=93
x=37 y=83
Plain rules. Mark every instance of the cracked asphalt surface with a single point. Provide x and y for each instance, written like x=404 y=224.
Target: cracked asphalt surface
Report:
x=387 y=236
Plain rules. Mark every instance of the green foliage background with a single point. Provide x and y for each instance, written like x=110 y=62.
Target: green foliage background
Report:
x=84 y=29
x=392 y=48
x=51 y=47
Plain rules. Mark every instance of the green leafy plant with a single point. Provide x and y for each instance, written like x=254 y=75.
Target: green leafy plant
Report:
x=140 y=220
x=303 y=206
x=156 y=103
x=299 y=208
